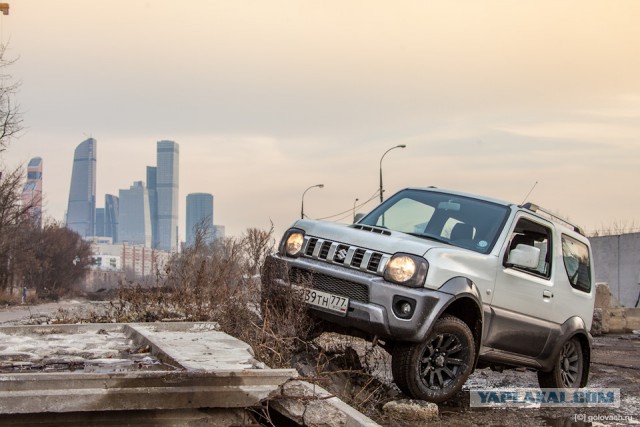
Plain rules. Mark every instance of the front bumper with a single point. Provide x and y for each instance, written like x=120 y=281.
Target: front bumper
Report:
x=371 y=298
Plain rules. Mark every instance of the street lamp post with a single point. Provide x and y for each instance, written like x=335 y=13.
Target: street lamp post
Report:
x=385 y=153
x=354 y=209
x=305 y=192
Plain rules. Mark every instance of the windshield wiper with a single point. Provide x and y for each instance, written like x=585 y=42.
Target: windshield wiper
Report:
x=431 y=237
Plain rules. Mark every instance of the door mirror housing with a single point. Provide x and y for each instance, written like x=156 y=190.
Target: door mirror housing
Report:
x=524 y=256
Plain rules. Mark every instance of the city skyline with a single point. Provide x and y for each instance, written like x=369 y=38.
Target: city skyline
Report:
x=269 y=99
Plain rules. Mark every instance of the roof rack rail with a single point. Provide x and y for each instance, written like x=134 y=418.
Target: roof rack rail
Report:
x=553 y=217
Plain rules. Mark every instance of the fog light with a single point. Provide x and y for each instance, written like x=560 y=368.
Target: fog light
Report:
x=405 y=308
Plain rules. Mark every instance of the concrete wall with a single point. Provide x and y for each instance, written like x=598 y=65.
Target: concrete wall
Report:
x=616 y=260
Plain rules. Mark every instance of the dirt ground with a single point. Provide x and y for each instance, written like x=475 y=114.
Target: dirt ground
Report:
x=615 y=364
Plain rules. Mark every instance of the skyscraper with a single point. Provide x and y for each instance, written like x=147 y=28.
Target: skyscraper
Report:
x=111 y=211
x=100 y=223
x=167 y=188
x=32 y=191
x=134 y=219
x=81 y=210
x=199 y=213
x=152 y=173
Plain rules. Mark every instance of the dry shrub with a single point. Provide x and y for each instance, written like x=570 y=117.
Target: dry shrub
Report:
x=6 y=298
x=220 y=283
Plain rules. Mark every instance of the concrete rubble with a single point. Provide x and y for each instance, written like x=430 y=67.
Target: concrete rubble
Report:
x=166 y=367
x=412 y=413
x=610 y=317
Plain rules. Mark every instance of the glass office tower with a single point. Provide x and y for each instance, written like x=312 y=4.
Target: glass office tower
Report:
x=134 y=218
x=199 y=214
x=32 y=191
x=81 y=209
x=167 y=185
x=111 y=211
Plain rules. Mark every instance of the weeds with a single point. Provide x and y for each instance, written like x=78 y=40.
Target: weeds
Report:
x=220 y=283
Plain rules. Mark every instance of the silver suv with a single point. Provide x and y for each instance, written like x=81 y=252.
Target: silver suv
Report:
x=447 y=283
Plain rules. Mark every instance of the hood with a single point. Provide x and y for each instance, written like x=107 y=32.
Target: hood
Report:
x=390 y=242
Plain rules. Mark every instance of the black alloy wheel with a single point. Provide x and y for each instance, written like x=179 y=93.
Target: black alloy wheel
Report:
x=435 y=369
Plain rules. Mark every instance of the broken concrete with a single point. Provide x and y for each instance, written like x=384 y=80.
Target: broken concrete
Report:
x=228 y=376
x=173 y=367
x=409 y=412
x=610 y=317
x=309 y=404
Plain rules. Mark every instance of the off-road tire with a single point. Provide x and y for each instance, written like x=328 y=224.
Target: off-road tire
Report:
x=435 y=369
x=568 y=368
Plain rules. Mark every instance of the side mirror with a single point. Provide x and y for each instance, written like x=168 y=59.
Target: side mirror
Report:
x=358 y=217
x=524 y=256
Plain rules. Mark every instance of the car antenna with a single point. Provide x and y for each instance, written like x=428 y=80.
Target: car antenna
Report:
x=529 y=193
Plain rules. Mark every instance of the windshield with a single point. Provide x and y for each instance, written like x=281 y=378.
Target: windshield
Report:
x=457 y=220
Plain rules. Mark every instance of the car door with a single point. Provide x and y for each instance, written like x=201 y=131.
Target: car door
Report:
x=521 y=314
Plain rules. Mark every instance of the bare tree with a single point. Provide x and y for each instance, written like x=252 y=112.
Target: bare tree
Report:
x=14 y=217
x=54 y=259
x=257 y=245
x=10 y=116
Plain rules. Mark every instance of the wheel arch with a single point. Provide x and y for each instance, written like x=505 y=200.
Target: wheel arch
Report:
x=572 y=328
x=466 y=306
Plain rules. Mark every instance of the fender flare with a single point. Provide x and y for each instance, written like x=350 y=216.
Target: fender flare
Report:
x=572 y=327
x=457 y=289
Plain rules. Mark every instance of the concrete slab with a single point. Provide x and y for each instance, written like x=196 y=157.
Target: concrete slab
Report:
x=203 y=368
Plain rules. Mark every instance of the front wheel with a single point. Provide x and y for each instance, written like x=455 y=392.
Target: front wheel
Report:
x=568 y=368
x=437 y=368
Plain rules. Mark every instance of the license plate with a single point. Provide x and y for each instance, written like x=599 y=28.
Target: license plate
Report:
x=331 y=302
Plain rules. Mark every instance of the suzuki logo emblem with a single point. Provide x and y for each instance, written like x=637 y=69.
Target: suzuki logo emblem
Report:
x=341 y=254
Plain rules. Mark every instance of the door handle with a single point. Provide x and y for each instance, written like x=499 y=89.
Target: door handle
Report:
x=547 y=294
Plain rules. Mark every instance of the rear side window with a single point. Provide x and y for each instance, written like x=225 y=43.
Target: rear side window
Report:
x=577 y=263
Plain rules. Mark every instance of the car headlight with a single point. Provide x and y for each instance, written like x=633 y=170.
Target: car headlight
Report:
x=292 y=243
x=406 y=269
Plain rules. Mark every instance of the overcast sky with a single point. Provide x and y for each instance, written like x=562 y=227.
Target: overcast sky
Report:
x=267 y=98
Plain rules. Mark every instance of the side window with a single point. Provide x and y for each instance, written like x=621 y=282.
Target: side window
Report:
x=576 y=263
x=531 y=233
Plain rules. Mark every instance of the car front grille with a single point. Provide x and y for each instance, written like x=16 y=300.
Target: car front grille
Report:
x=322 y=282
x=349 y=256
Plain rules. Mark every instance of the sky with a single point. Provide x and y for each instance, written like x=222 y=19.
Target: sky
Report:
x=267 y=98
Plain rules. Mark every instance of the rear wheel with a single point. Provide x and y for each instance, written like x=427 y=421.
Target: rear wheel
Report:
x=437 y=368
x=568 y=369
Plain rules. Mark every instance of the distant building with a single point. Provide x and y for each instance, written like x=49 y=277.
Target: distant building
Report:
x=134 y=219
x=167 y=186
x=100 y=222
x=81 y=209
x=219 y=232
x=199 y=214
x=152 y=174
x=114 y=263
x=111 y=212
x=32 y=191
